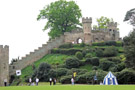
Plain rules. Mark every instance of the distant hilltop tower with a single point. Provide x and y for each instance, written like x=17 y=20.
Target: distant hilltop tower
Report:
x=4 y=64
x=87 y=29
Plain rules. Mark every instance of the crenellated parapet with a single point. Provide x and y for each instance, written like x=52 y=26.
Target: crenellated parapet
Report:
x=87 y=20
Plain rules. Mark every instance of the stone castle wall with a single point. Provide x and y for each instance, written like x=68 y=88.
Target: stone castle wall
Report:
x=36 y=55
x=4 y=64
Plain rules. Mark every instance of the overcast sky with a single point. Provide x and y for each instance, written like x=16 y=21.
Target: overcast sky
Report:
x=23 y=33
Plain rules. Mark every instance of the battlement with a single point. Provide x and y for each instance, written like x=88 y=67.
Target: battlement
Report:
x=4 y=47
x=114 y=24
x=87 y=20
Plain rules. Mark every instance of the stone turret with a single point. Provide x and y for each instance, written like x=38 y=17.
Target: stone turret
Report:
x=87 y=29
x=4 y=64
x=112 y=26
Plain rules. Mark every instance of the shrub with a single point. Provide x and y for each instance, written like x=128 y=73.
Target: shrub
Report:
x=79 y=55
x=72 y=62
x=42 y=72
x=95 y=61
x=66 y=79
x=70 y=51
x=119 y=43
x=88 y=55
x=110 y=43
x=67 y=45
x=110 y=51
x=53 y=73
x=82 y=44
x=88 y=61
x=115 y=59
x=94 y=68
x=99 y=53
x=105 y=64
x=62 y=71
x=98 y=44
x=126 y=76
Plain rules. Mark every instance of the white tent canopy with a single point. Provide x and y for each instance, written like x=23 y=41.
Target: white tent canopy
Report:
x=110 y=79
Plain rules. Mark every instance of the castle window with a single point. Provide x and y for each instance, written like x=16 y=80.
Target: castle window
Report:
x=79 y=40
x=110 y=29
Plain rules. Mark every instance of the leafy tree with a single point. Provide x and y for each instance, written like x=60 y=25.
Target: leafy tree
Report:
x=130 y=16
x=102 y=22
x=62 y=17
x=129 y=49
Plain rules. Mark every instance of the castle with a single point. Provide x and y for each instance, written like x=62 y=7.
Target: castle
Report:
x=86 y=34
x=4 y=64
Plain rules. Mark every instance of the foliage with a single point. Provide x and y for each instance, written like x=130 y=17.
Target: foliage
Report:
x=72 y=62
x=66 y=79
x=108 y=43
x=99 y=52
x=79 y=55
x=88 y=55
x=126 y=76
x=42 y=72
x=130 y=16
x=110 y=51
x=53 y=73
x=129 y=49
x=62 y=71
x=95 y=61
x=102 y=22
x=105 y=64
x=88 y=61
x=62 y=16
x=67 y=45
x=70 y=51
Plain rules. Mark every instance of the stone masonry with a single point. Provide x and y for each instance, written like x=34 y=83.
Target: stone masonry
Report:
x=4 y=64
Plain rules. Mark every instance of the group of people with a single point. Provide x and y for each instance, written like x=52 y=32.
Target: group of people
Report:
x=52 y=80
x=32 y=83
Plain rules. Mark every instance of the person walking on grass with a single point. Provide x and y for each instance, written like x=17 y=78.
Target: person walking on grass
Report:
x=37 y=80
x=30 y=81
x=5 y=82
x=50 y=81
x=72 y=81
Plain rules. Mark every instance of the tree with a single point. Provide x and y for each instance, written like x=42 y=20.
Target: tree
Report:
x=130 y=16
x=62 y=17
x=129 y=49
x=102 y=22
x=129 y=41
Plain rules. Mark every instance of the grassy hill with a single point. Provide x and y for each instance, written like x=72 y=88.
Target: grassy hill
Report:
x=87 y=67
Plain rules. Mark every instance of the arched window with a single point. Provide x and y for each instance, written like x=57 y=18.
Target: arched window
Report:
x=79 y=40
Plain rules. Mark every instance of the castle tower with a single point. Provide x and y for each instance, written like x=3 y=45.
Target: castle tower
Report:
x=4 y=64
x=112 y=28
x=87 y=30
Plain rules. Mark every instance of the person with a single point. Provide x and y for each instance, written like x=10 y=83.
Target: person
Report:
x=72 y=81
x=5 y=82
x=54 y=81
x=32 y=84
x=95 y=79
x=30 y=80
x=50 y=81
x=37 y=80
x=101 y=83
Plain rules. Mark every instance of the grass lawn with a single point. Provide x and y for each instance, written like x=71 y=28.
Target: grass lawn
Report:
x=70 y=87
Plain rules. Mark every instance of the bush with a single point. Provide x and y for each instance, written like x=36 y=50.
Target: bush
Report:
x=126 y=76
x=105 y=64
x=99 y=53
x=42 y=72
x=110 y=43
x=67 y=45
x=88 y=55
x=79 y=55
x=72 y=62
x=53 y=73
x=88 y=61
x=95 y=61
x=82 y=44
x=98 y=44
x=94 y=68
x=70 y=51
x=116 y=60
x=119 y=43
x=66 y=79
x=62 y=71
x=110 y=51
